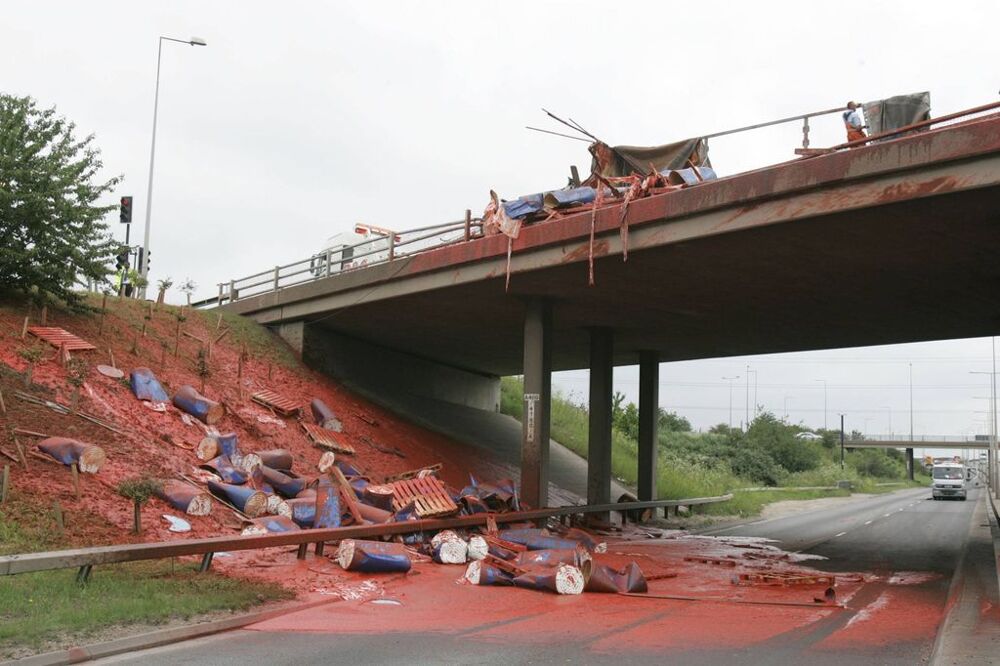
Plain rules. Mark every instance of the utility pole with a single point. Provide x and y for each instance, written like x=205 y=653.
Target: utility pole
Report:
x=841 y=441
x=730 y=380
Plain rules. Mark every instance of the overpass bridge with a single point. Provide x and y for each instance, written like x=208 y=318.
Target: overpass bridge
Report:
x=890 y=242
x=922 y=442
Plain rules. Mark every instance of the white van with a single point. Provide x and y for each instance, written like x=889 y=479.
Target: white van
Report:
x=949 y=479
x=351 y=249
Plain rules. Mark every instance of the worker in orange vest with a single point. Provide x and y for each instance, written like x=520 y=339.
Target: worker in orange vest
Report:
x=853 y=123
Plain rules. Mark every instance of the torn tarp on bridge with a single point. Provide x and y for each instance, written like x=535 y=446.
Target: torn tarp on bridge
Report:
x=885 y=115
x=621 y=161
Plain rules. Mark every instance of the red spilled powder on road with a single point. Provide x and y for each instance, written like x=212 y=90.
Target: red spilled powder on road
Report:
x=897 y=615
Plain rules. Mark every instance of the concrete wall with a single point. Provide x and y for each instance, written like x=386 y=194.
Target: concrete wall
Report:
x=381 y=370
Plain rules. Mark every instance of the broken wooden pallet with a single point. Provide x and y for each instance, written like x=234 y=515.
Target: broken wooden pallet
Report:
x=413 y=473
x=58 y=337
x=430 y=498
x=326 y=439
x=279 y=403
x=717 y=561
x=783 y=578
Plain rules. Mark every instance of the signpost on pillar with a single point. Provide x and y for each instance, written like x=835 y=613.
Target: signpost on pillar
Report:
x=649 y=420
x=599 y=443
x=535 y=423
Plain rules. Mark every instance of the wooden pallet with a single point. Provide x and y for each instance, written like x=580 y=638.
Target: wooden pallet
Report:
x=720 y=562
x=279 y=403
x=58 y=337
x=413 y=473
x=430 y=498
x=783 y=578
x=326 y=439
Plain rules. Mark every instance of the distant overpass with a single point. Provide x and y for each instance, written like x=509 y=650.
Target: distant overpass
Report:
x=922 y=442
x=891 y=242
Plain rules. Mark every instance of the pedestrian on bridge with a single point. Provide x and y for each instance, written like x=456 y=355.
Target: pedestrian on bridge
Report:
x=853 y=123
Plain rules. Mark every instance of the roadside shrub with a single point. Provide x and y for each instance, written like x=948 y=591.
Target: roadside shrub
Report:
x=871 y=462
x=756 y=465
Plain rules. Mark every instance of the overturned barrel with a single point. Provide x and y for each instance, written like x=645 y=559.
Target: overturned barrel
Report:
x=324 y=416
x=184 y=497
x=207 y=411
x=373 y=556
x=251 y=502
x=146 y=387
x=88 y=458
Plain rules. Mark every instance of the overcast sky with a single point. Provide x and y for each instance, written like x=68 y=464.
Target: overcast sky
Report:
x=301 y=118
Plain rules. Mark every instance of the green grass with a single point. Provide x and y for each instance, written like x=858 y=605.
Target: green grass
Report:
x=40 y=607
x=40 y=610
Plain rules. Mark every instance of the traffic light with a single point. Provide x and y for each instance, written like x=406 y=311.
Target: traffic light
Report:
x=125 y=211
x=144 y=261
x=121 y=259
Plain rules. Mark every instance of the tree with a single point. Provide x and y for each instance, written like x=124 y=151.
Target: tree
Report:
x=672 y=421
x=188 y=287
x=50 y=220
x=163 y=285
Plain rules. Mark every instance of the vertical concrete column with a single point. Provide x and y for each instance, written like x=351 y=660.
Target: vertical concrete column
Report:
x=535 y=423
x=599 y=441
x=649 y=403
x=909 y=464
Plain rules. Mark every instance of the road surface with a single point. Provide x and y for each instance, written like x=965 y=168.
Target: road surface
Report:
x=905 y=545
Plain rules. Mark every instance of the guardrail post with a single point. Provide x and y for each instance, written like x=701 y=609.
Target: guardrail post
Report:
x=320 y=546
x=392 y=245
x=329 y=257
x=468 y=224
x=220 y=293
x=277 y=276
x=303 y=550
x=206 y=562
x=83 y=574
x=232 y=291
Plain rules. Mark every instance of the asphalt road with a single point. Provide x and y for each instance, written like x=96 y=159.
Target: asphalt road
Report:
x=903 y=531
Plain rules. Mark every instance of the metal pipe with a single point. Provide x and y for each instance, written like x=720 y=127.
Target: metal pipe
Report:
x=789 y=119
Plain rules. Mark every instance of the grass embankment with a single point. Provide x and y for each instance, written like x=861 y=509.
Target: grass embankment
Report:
x=701 y=464
x=48 y=609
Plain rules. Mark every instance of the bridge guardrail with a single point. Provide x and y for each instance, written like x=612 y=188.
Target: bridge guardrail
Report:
x=319 y=265
x=86 y=558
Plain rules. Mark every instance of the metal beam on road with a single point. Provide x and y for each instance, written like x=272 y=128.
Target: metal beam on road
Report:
x=535 y=421
x=649 y=404
x=599 y=435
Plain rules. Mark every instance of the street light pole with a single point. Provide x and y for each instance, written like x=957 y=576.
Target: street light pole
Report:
x=730 y=380
x=824 y=402
x=194 y=41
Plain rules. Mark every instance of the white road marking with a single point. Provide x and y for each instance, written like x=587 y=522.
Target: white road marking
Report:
x=886 y=515
x=841 y=534
x=869 y=522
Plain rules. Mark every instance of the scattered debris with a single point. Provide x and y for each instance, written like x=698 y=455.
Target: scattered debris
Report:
x=185 y=497
x=783 y=578
x=207 y=411
x=269 y=525
x=109 y=371
x=60 y=338
x=327 y=439
x=87 y=457
x=146 y=387
x=429 y=497
x=373 y=556
x=279 y=403
x=324 y=416
x=177 y=524
x=251 y=502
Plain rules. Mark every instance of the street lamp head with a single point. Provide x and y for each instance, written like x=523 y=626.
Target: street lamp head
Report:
x=197 y=41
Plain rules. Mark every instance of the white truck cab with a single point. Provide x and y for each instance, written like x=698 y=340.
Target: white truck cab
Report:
x=949 y=479
x=365 y=245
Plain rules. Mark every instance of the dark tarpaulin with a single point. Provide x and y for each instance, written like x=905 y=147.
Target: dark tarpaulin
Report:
x=618 y=161
x=885 y=115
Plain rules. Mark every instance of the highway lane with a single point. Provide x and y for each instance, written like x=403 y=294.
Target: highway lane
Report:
x=902 y=536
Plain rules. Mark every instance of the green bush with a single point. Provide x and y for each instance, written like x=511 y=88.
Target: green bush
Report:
x=773 y=436
x=875 y=463
x=757 y=465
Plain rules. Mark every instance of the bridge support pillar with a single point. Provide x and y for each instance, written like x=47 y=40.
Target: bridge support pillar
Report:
x=599 y=440
x=535 y=423
x=649 y=402
x=909 y=464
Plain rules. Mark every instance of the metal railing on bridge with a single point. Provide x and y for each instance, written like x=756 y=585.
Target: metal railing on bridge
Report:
x=389 y=247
